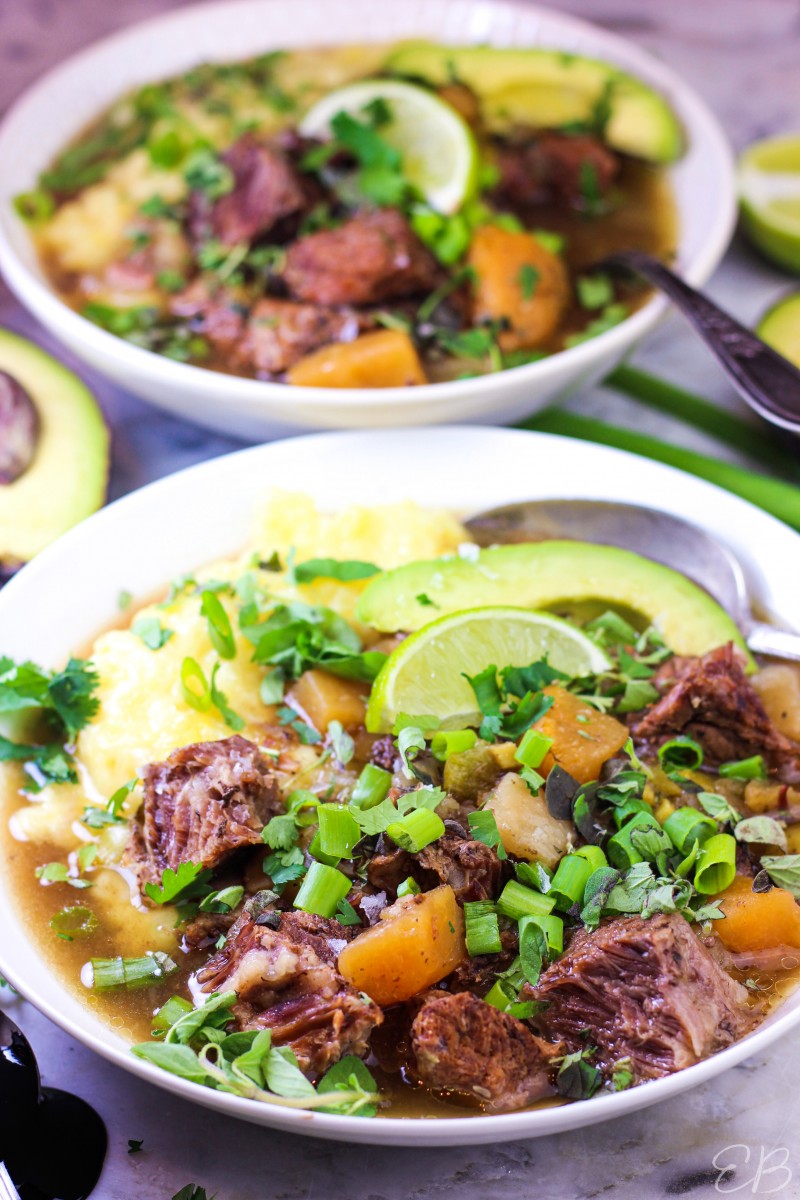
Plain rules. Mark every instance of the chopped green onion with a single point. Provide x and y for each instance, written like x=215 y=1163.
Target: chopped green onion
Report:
x=34 y=206
x=620 y=850
x=219 y=625
x=745 y=768
x=533 y=748
x=316 y=851
x=73 y=921
x=416 y=830
x=372 y=786
x=681 y=753
x=482 y=929
x=551 y=926
x=497 y=996
x=569 y=881
x=517 y=901
x=409 y=887
x=322 y=889
x=338 y=830
x=593 y=855
x=456 y=742
x=686 y=826
x=107 y=973
x=194 y=685
x=175 y=1008
x=716 y=864
x=631 y=808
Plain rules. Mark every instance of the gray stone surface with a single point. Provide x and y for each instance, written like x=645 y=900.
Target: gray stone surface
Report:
x=742 y=56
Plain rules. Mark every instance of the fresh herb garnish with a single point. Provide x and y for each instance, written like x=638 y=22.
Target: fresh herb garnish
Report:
x=528 y=279
x=186 y=883
x=151 y=632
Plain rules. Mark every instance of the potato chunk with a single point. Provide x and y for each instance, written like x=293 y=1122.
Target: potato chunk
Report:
x=778 y=685
x=583 y=738
x=324 y=698
x=385 y=359
x=757 y=920
x=524 y=822
x=418 y=941
x=520 y=281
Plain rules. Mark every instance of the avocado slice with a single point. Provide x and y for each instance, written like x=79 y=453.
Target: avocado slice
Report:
x=59 y=472
x=550 y=575
x=548 y=89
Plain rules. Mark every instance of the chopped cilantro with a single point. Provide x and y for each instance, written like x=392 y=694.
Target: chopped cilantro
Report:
x=189 y=881
x=151 y=632
x=483 y=827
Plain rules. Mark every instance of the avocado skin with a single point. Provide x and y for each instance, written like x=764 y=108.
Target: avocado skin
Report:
x=68 y=476
x=550 y=88
x=550 y=575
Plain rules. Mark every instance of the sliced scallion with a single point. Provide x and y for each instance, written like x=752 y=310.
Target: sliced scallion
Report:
x=593 y=855
x=194 y=685
x=371 y=787
x=745 y=768
x=219 y=625
x=482 y=929
x=409 y=887
x=175 y=1008
x=457 y=741
x=103 y=974
x=316 y=851
x=321 y=890
x=497 y=996
x=551 y=926
x=338 y=830
x=686 y=826
x=533 y=748
x=716 y=864
x=569 y=881
x=416 y=830
x=681 y=754
x=620 y=850
x=517 y=901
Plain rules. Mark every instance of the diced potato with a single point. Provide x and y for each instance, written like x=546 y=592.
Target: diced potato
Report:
x=761 y=795
x=324 y=698
x=778 y=685
x=757 y=920
x=418 y=941
x=520 y=281
x=525 y=825
x=385 y=359
x=583 y=738
x=793 y=839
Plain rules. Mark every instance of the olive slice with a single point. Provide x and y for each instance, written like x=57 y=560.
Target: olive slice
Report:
x=19 y=429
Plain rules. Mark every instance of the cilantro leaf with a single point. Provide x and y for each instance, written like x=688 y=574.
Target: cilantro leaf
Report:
x=483 y=826
x=284 y=866
x=67 y=695
x=189 y=881
x=151 y=632
x=281 y=832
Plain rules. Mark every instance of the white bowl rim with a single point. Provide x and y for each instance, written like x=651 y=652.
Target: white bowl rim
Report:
x=155 y=368
x=615 y=465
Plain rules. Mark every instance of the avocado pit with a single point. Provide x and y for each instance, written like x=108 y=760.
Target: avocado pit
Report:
x=20 y=427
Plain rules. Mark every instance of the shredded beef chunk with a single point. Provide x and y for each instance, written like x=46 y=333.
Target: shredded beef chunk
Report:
x=373 y=257
x=647 y=990
x=213 y=312
x=266 y=189
x=471 y=868
x=279 y=333
x=713 y=701
x=463 y=1045
x=554 y=167
x=201 y=804
x=286 y=981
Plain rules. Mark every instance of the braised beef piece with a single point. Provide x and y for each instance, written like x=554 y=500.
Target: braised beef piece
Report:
x=202 y=804
x=389 y=867
x=286 y=981
x=554 y=167
x=465 y=1046
x=205 y=929
x=279 y=333
x=713 y=702
x=266 y=189
x=472 y=869
x=373 y=257
x=212 y=311
x=647 y=990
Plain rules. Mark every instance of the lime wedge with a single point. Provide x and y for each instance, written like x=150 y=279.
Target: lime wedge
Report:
x=769 y=197
x=425 y=674
x=780 y=327
x=440 y=157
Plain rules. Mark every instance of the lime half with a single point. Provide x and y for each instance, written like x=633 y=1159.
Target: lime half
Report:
x=780 y=327
x=769 y=197
x=440 y=157
x=425 y=674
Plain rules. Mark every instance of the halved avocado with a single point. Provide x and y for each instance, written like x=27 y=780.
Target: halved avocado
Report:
x=551 y=575
x=548 y=89
x=60 y=477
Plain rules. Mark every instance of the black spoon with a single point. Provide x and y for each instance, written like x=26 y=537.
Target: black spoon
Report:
x=53 y=1144
x=766 y=380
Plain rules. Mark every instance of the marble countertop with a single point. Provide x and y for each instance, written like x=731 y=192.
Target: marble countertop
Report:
x=741 y=55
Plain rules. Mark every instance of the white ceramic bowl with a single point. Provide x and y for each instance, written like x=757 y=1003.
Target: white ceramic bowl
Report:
x=61 y=104
x=70 y=591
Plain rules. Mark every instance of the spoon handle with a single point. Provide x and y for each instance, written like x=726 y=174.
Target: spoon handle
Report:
x=767 y=639
x=768 y=382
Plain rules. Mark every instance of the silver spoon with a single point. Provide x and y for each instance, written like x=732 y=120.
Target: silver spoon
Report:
x=767 y=381
x=647 y=531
